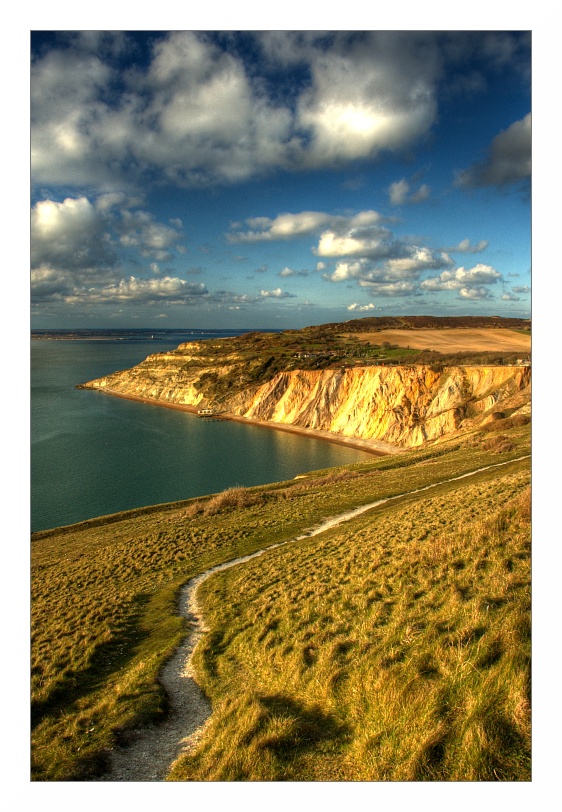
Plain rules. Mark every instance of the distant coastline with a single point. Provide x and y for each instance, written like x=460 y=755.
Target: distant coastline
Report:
x=141 y=334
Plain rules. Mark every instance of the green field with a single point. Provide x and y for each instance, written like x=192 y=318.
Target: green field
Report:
x=394 y=647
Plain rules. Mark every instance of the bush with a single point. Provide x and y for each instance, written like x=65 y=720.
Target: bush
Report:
x=499 y=445
x=516 y=421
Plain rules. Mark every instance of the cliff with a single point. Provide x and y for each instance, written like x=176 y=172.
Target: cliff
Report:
x=404 y=405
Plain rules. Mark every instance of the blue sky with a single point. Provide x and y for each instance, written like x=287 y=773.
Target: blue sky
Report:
x=278 y=179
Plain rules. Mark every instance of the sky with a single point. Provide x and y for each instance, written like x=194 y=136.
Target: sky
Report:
x=278 y=179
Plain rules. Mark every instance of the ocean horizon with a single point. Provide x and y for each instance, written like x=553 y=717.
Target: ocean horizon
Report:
x=93 y=454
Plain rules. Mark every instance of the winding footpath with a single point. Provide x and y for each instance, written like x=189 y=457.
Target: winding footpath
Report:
x=155 y=748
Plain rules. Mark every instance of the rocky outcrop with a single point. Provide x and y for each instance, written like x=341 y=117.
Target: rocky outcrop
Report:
x=402 y=405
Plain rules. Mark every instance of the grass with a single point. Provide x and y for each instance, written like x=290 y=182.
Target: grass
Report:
x=394 y=649
x=104 y=620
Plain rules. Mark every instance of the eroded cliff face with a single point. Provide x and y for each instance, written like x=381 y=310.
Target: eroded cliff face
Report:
x=402 y=405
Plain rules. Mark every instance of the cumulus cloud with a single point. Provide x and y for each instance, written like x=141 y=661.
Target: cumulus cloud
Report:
x=146 y=291
x=509 y=297
x=288 y=226
x=468 y=283
x=368 y=94
x=228 y=297
x=410 y=265
x=192 y=112
x=464 y=247
x=365 y=242
x=277 y=294
x=361 y=308
x=49 y=284
x=388 y=289
x=400 y=193
x=508 y=160
x=77 y=246
x=69 y=235
x=290 y=272
x=521 y=289
x=477 y=293
x=139 y=229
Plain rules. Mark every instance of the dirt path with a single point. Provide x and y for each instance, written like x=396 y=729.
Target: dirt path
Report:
x=150 y=756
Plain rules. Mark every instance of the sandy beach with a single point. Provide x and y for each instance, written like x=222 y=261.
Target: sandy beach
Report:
x=377 y=447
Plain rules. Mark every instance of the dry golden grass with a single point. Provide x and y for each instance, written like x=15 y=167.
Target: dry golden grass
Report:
x=393 y=649
x=452 y=340
x=104 y=593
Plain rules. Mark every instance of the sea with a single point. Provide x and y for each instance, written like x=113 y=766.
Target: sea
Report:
x=93 y=454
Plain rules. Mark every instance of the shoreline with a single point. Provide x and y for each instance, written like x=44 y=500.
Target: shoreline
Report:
x=376 y=447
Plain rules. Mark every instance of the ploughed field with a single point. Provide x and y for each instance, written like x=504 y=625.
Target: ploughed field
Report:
x=393 y=647
x=451 y=340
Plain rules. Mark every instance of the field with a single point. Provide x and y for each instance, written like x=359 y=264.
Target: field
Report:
x=452 y=340
x=395 y=647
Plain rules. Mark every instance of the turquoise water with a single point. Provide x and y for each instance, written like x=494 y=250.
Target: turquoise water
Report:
x=93 y=454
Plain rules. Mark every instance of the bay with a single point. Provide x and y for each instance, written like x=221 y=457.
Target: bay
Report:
x=93 y=454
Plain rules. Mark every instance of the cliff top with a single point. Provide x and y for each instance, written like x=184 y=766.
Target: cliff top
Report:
x=372 y=323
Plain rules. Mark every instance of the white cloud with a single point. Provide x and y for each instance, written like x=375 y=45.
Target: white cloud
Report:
x=49 y=284
x=147 y=291
x=196 y=113
x=464 y=247
x=111 y=200
x=192 y=113
x=454 y=280
x=422 y=193
x=400 y=193
x=468 y=283
x=277 y=294
x=139 y=229
x=74 y=251
x=290 y=272
x=400 y=288
x=474 y=293
x=365 y=243
x=416 y=259
x=361 y=308
x=375 y=94
x=290 y=226
x=69 y=235
x=409 y=266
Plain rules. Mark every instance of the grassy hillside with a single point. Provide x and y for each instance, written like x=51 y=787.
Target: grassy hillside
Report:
x=393 y=649
x=359 y=610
